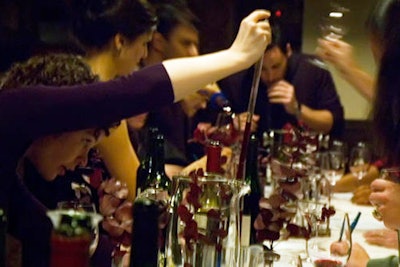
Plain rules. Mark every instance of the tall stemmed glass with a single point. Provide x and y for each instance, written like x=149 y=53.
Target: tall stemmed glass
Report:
x=227 y=128
x=359 y=161
x=393 y=175
x=332 y=165
x=332 y=26
x=311 y=210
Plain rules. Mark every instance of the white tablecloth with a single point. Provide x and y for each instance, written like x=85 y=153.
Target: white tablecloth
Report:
x=342 y=204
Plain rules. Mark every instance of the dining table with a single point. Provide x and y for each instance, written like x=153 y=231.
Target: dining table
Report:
x=290 y=249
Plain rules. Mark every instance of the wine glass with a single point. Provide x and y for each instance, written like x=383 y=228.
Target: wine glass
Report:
x=311 y=210
x=332 y=165
x=332 y=27
x=89 y=208
x=227 y=128
x=360 y=159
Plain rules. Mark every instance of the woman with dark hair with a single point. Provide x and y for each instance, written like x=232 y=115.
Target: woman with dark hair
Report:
x=30 y=113
x=384 y=26
x=114 y=35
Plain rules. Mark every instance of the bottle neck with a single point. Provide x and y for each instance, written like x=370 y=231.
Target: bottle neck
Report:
x=251 y=171
x=157 y=177
x=159 y=156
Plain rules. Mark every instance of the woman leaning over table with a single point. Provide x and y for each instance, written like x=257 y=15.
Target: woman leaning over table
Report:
x=384 y=24
x=114 y=36
x=46 y=166
x=30 y=113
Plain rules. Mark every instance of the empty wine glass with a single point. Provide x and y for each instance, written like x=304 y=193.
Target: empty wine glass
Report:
x=332 y=27
x=89 y=208
x=311 y=210
x=360 y=159
x=332 y=166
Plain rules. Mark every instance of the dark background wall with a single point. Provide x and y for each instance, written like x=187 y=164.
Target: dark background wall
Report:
x=221 y=19
x=28 y=25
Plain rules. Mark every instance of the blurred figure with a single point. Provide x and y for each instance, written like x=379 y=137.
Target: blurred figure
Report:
x=292 y=90
x=340 y=55
x=177 y=36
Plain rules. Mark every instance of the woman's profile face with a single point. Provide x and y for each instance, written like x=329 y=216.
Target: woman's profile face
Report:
x=55 y=154
x=132 y=53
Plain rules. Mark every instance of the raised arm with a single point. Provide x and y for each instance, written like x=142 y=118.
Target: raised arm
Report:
x=253 y=36
x=340 y=55
x=41 y=111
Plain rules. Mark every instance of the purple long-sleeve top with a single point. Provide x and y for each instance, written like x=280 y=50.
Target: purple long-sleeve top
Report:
x=29 y=113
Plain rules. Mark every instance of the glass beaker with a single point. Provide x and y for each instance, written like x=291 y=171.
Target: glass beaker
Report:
x=204 y=225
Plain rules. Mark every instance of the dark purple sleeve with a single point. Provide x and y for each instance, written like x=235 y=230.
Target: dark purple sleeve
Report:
x=27 y=221
x=45 y=110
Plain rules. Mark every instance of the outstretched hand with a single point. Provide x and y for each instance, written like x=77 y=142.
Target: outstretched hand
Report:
x=358 y=256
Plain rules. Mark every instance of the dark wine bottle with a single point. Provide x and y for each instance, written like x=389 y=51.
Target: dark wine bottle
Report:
x=3 y=232
x=144 y=249
x=150 y=210
x=146 y=164
x=157 y=178
x=251 y=200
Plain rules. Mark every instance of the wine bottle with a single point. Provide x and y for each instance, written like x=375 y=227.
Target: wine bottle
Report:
x=3 y=232
x=146 y=164
x=144 y=250
x=208 y=199
x=155 y=192
x=157 y=178
x=251 y=200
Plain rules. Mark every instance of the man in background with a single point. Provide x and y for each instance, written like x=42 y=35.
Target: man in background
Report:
x=292 y=90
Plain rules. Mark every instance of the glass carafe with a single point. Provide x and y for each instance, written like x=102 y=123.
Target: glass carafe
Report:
x=204 y=224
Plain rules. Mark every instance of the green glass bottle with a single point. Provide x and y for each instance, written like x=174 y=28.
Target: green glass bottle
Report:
x=251 y=200
x=157 y=178
x=145 y=233
x=146 y=164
